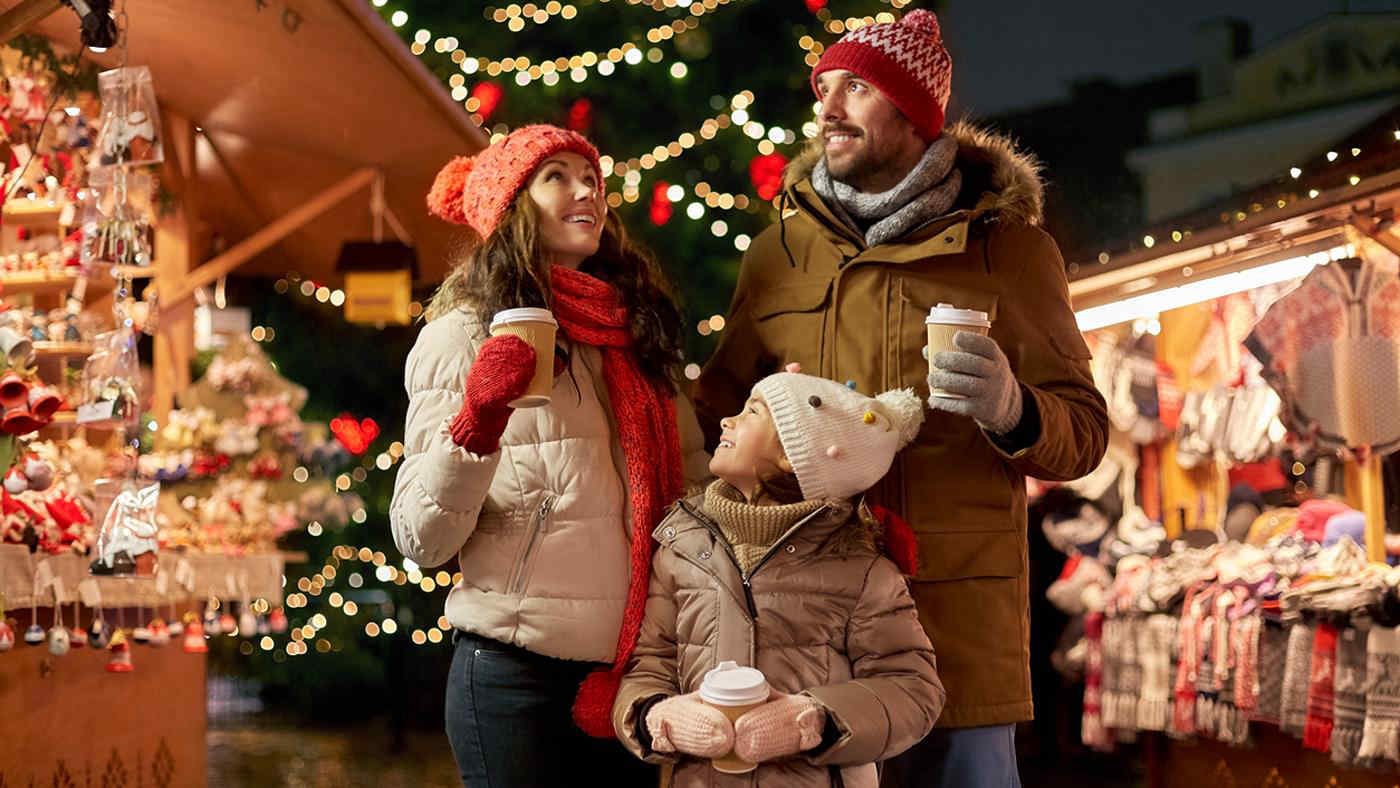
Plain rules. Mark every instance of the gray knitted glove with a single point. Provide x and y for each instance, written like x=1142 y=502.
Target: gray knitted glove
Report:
x=980 y=371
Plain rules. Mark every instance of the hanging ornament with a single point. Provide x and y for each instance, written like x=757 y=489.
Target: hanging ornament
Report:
x=127 y=543
x=194 y=636
x=7 y=633
x=211 y=617
x=227 y=624
x=766 y=174
x=277 y=620
x=264 y=628
x=175 y=627
x=59 y=640
x=130 y=132
x=99 y=632
x=34 y=635
x=488 y=96
x=247 y=622
x=660 y=203
x=355 y=436
x=119 y=659
x=141 y=635
x=580 y=115
x=160 y=633
x=77 y=636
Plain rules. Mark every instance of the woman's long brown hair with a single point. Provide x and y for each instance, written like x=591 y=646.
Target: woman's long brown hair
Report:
x=508 y=270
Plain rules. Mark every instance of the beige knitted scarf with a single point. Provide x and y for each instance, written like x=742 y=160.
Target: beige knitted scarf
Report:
x=751 y=528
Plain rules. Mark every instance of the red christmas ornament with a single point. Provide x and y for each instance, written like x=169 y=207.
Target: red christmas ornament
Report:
x=766 y=173
x=660 y=204
x=488 y=95
x=815 y=5
x=355 y=436
x=580 y=115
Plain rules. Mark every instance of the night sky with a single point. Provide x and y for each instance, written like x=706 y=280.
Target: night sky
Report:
x=1012 y=54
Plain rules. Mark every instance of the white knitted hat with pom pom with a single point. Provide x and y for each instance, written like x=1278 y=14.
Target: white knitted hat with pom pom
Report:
x=840 y=442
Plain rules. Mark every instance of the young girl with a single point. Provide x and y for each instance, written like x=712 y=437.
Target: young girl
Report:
x=778 y=567
x=548 y=510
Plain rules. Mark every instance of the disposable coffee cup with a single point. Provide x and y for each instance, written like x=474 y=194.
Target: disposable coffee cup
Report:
x=944 y=322
x=733 y=690
x=537 y=327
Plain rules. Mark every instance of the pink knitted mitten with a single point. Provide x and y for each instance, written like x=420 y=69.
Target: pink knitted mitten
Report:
x=785 y=725
x=685 y=724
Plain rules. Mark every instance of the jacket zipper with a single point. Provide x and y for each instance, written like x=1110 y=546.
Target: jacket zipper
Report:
x=532 y=537
x=747 y=577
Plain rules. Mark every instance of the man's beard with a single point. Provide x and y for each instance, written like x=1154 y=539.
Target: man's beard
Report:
x=863 y=167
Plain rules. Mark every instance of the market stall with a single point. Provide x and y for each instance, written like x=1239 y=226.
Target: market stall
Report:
x=1229 y=564
x=142 y=508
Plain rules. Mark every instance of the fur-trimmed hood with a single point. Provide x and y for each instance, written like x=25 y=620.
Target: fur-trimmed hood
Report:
x=1000 y=182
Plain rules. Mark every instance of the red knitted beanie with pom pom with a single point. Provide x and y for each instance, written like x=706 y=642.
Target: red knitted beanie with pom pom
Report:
x=477 y=190
x=906 y=60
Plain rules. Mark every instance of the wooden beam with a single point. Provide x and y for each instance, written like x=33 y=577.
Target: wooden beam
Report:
x=259 y=241
x=18 y=19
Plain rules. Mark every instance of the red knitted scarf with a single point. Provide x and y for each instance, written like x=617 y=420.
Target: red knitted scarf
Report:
x=590 y=312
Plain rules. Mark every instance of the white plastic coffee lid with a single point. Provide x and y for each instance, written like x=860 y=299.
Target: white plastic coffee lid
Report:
x=948 y=314
x=522 y=315
x=727 y=684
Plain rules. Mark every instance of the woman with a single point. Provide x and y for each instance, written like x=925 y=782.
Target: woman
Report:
x=549 y=510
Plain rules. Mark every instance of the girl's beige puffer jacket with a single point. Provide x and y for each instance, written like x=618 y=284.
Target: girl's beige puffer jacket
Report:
x=540 y=528
x=822 y=614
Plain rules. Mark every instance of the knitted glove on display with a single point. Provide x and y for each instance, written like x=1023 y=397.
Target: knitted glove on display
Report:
x=685 y=724
x=784 y=726
x=979 y=371
x=500 y=373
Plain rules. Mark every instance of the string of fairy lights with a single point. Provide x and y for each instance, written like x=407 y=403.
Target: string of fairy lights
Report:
x=515 y=16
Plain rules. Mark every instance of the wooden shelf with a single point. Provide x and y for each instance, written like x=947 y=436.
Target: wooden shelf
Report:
x=32 y=213
x=48 y=283
x=62 y=349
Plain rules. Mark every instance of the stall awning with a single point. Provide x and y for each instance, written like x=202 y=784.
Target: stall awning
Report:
x=291 y=99
x=1287 y=223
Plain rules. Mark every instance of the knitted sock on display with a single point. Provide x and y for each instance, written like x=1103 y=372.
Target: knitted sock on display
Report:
x=1322 y=677
x=1154 y=655
x=1349 y=715
x=1183 y=720
x=1380 y=738
x=1273 y=646
x=1130 y=673
x=1091 y=728
x=1293 y=710
x=1111 y=655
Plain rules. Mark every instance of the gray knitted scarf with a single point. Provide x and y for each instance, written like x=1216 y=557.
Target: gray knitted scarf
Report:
x=926 y=193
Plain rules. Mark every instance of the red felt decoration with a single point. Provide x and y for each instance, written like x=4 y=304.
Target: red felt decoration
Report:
x=355 y=436
x=660 y=204
x=489 y=95
x=766 y=173
x=580 y=115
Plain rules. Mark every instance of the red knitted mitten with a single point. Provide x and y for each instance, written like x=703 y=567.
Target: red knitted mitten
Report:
x=500 y=373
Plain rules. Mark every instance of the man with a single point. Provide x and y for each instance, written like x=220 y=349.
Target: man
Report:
x=887 y=215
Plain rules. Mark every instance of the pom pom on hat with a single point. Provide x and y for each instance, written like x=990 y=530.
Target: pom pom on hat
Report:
x=904 y=408
x=445 y=198
x=925 y=22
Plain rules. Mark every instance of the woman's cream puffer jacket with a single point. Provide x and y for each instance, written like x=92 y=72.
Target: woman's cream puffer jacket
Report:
x=540 y=528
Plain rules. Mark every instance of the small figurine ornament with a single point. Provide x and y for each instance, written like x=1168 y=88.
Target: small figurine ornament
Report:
x=120 y=651
x=99 y=633
x=34 y=635
x=194 y=636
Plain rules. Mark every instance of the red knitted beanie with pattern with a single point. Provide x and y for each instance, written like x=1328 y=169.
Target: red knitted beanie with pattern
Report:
x=478 y=190
x=906 y=60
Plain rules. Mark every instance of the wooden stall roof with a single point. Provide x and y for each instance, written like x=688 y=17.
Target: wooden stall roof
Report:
x=295 y=96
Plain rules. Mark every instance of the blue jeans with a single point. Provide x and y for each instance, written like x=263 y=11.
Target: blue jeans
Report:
x=957 y=758
x=510 y=722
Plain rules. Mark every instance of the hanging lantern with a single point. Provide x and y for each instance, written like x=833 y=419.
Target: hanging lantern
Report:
x=580 y=115
x=378 y=281
x=488 y=96
x=766 y=174
x=660 y=203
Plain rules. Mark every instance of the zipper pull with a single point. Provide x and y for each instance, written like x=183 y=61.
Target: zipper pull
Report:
x=748 y=598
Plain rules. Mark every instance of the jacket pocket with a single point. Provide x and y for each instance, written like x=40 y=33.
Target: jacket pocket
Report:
x=534 y=534
x=962 y=555
x=916 y=296
x=793 y=318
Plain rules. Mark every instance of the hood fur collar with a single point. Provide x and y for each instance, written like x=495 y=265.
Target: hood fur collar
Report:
x=1000 y=182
